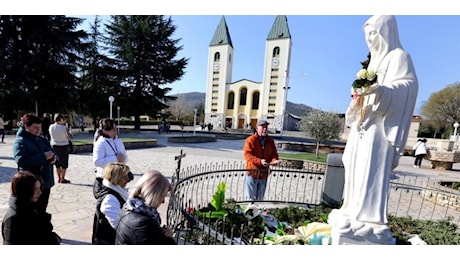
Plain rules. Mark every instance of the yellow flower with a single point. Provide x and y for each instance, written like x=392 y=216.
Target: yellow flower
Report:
x=362 y=74
x=370 y=75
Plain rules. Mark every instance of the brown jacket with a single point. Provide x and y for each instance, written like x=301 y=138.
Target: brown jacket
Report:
x=254 y=153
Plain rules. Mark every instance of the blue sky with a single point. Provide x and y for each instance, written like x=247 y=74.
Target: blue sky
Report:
x=328 y=42
x=326 y=53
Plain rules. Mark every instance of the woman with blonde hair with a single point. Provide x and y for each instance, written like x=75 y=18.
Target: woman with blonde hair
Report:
x=140 y=222
x=110 y=200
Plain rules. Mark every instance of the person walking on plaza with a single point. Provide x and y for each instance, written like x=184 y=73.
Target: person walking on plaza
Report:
x=60 y=137
x=110 y=199
x=2 y=128
x=32 y=152
x=107 y=148
x=22 y=223
x=259 y=153
x=139 y=222
x=421 y=150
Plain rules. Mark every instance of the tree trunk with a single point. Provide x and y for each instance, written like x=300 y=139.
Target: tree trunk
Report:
x=317 y=150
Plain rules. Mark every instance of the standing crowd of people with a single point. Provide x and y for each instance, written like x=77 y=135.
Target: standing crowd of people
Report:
x=121 y=216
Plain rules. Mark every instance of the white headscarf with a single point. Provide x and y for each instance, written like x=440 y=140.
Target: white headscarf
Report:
x=387 y=29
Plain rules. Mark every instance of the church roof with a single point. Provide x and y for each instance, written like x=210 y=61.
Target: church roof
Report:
x=221 y=36
x=279 y=29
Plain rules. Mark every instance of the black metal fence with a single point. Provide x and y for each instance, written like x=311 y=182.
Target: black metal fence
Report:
x=410 y=196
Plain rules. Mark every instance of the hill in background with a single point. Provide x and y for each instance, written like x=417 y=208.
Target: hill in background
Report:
x=193 y=98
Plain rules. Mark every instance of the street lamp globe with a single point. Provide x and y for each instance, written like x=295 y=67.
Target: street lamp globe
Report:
x=111 y=99
x=456 y=125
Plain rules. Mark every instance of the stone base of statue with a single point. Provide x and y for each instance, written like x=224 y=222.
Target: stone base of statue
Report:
x=353 y=232
x=351 y=239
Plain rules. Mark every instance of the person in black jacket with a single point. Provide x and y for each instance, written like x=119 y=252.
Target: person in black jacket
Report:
x=22 y=223
x=110 y=199
x=139 y=222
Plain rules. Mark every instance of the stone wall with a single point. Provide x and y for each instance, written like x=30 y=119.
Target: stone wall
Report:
x=446 y=197
x=310 y=148
x=87 y=148
x=443 y=160
x=304 y=165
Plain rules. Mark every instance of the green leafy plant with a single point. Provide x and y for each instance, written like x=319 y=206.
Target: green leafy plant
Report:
x=215 y=209
x=218 y=198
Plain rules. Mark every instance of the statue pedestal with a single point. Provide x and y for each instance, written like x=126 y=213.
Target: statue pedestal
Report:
x=350 y=239
x=346 y=231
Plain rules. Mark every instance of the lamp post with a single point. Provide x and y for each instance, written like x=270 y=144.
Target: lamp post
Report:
x=111 y=99
x=283 y=116
x=163 y=120
x=118 y=117
x=456 y=125
x=194 y=120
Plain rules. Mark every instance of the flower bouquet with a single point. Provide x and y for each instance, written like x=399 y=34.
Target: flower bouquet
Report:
x=364 y=79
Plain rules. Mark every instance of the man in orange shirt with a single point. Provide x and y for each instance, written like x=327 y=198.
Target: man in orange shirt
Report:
x=260 y=153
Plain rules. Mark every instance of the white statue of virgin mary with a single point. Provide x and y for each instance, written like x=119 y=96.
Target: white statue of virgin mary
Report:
x=379 y=127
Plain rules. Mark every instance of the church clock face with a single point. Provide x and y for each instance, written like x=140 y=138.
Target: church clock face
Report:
x=275 y=62
x=216 y=66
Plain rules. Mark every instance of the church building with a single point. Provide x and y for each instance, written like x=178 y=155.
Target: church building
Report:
x=239 y=104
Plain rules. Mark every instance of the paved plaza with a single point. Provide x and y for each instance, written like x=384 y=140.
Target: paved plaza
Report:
x=73 y=205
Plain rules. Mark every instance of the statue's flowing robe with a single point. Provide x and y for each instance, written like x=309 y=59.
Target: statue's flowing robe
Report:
x=378 y=132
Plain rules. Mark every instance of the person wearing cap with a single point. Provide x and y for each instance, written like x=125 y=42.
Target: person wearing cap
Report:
x=259 y=153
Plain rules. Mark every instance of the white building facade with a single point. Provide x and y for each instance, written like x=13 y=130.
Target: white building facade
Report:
x=239 y=104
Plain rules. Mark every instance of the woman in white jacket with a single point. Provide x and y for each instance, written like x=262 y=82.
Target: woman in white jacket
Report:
x=108 y=148
x=420 y=152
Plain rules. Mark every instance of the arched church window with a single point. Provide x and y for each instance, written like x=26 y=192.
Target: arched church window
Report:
x=276 y=52
x=255 y=100
x=243 y=96
x=231 y=100
x=217 y=56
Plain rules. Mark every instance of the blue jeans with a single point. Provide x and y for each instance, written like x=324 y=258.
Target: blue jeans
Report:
x=254 y=189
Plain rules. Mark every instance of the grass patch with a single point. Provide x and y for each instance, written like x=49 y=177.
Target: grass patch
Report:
x=304 y=156
x=90 y=141
x=191 y=139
